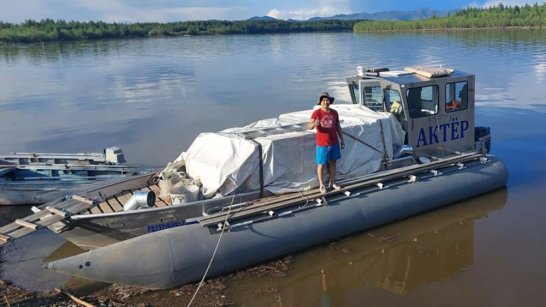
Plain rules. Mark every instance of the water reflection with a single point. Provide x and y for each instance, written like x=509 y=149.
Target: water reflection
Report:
x=152 y=97
x=399 y=258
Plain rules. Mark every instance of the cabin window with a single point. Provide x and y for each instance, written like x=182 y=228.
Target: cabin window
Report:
x=456 y=96
x=373 y=97
x=422 y=101
x=393 y=103
x=353 y=86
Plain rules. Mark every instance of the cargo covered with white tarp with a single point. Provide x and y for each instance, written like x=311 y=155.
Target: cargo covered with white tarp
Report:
x=229 y=161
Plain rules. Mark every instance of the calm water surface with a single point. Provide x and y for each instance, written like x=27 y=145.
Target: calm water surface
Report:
x=152 y=97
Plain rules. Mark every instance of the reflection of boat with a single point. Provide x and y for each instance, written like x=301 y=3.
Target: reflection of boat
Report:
x=451 y=168
x=36 y=178
x=398 y=257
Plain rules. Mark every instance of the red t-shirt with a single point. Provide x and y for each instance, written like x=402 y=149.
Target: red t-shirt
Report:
x=327 y=131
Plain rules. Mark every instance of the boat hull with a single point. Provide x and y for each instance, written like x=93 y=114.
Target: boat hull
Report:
x=180 y=255
x=37 y=190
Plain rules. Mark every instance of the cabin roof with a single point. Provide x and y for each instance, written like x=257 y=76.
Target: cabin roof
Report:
x=409 y=77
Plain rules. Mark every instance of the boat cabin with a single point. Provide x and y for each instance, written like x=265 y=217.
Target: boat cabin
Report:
x=435 y=106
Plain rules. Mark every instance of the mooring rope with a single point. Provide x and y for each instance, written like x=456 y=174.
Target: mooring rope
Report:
x=213 y=254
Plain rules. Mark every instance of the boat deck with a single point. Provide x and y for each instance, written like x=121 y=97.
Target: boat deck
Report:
x=115 y=202
x=108 y=199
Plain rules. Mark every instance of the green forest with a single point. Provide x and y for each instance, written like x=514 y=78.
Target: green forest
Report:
x=500 y=16
x=48 y=30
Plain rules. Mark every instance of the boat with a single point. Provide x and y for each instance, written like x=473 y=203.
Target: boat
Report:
x=36 y=178
x=139 y=235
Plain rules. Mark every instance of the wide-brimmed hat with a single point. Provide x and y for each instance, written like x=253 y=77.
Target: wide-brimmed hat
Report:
x=325 y=94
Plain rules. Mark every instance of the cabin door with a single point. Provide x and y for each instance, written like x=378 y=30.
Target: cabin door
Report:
x=371 y=95
x=436 y=128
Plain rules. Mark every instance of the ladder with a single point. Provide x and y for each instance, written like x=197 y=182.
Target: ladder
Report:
x=44 y=218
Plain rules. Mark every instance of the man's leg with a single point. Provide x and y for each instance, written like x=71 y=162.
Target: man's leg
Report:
x=332 y=168
x=332 y=165
x=320 y=174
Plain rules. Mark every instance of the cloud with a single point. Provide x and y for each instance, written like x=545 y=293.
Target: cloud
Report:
x=314 y=9
x=166 y=15
x=118 y=11
x=274 y=13
x=122 y=11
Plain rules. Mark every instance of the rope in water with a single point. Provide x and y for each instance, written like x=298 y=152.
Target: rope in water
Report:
x=213 y=254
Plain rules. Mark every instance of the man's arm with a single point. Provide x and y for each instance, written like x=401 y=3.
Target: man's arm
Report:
x=340 y=134
x=312 y=123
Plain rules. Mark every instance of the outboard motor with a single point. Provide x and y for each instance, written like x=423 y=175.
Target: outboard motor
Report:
x=483 y=135
x=114 y=155
x=140 y=199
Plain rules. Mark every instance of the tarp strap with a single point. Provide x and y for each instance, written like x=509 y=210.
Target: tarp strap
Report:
x=385 y=156
x=362 y=142
x=261 y=166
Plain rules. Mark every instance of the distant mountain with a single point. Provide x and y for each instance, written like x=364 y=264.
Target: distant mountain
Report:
x=262 y=18
x=390 y=15
x=386 y=15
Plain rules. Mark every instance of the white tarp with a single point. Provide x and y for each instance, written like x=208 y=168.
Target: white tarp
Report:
x=228 y=161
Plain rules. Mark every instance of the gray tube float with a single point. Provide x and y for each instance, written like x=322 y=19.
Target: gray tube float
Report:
x=180 y=255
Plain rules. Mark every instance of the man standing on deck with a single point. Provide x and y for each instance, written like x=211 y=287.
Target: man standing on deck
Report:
x=326 y=120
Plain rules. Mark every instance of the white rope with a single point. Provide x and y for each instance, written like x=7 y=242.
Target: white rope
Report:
x=306 y=199
x=213 y=254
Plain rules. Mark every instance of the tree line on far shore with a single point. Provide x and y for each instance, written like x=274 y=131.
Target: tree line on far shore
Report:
x=48 y=30
x=500 y=16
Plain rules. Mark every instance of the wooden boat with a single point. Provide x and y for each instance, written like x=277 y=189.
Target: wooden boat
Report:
x=161 y=245
x=36 y=178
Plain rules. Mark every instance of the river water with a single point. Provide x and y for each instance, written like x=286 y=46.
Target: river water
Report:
x=151 y=97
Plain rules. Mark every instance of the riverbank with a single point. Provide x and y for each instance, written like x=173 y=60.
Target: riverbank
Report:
x=213 y=292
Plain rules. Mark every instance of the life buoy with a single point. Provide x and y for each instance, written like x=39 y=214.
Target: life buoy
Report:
x=453 y=105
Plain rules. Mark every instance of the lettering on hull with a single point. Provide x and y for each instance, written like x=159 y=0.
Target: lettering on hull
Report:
x=158 y=227
x=442 y=133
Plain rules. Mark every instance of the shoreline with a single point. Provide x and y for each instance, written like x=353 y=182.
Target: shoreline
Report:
x=460 y=29
x=213 y=292
x=453 y=29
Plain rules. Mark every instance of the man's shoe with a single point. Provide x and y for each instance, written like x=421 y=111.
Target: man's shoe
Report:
x=322 y=189
x=336 y=187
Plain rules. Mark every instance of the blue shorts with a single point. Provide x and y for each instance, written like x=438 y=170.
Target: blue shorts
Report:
x=328 y=153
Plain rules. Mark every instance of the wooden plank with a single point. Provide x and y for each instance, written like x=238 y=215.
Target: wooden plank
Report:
x=159 y=202
x=44 y=218
x=104 y=207
x=95 y=210
x=113 y=189
x=124 y=197
x=23 y=231
x=11 y=226
x=82 y=199
x=26 y=224
x=57 y=211
x=115 y=204
x=50 y=216
x=4 y=238
x=77 y=207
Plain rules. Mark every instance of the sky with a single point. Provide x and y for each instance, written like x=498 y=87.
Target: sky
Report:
x=129 y=11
